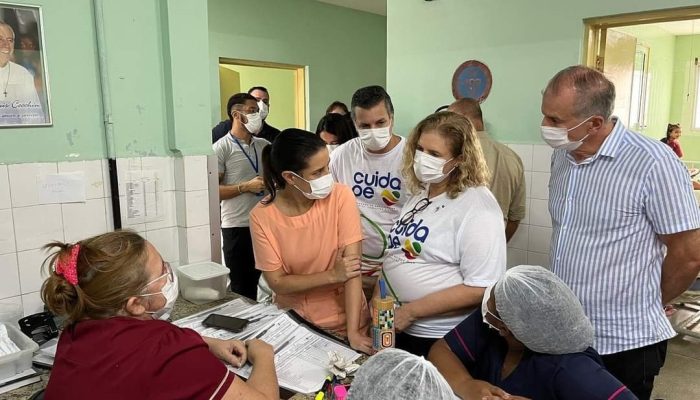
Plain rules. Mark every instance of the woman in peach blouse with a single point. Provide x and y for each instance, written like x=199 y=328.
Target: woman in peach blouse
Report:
x=307 y=238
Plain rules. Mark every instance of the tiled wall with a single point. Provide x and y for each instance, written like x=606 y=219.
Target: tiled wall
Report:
x=182 y=235
x=530 y=244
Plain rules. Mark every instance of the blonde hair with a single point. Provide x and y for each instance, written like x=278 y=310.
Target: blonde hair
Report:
x=458 y=131
x=111 y=268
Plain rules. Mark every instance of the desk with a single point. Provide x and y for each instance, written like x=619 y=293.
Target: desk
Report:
x=183 y=308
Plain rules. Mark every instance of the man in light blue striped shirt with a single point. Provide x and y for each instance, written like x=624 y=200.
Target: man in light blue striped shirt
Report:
x=625 y=224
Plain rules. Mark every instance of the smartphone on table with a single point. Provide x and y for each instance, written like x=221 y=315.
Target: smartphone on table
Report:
x=219 y=321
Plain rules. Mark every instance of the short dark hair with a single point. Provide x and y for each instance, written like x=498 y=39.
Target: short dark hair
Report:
x=369 y=96
x=260 y=88
x=339 y=125
x=595 y=94
x=236 y=99
x=290 y=151
x=337 y=104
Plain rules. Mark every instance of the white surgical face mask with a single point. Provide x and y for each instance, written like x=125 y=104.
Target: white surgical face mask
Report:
x=484 y=302
x=375 y=139
x=320 y=187
x=558 y=138
x=428 y=168
x=331 y=147
x=170 y=291
x=264 y=109
x=254 y=124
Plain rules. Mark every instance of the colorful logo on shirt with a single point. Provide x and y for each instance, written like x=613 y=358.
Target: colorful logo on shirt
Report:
x=365 y=186
x=390 y=197
x=411 y=249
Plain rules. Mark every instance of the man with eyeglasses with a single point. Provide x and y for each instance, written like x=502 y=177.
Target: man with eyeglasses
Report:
x=19 y=101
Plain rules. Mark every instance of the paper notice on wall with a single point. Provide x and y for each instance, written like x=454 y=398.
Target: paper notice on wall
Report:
x=62 y=188
x=144 y=197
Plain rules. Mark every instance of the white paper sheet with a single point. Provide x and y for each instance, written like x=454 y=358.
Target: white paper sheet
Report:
x=62 y=188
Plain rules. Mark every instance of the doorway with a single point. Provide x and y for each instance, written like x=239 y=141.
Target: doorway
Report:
x=286 y=84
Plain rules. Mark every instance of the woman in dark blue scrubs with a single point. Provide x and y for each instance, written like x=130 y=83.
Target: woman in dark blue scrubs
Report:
x=532 y=339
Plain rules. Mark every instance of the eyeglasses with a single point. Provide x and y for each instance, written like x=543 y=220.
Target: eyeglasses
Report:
x=167 y=271
x=420 y=206
x=494 y=317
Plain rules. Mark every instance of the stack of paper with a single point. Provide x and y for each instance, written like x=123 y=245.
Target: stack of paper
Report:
x=46 y=354
x=17 y=381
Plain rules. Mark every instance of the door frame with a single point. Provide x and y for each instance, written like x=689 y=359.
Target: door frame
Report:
x=595 y=29
x=300 y=76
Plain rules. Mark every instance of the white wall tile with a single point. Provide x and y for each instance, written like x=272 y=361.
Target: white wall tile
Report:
x=539 y=213
x=519 y=240
x=12 y=309
x=524 y=151
x=24 y=187
x=540 y=259
x=198 y=244
x=7 y=232
x=32 y=304
x=197 y=208
x=109 y=219
x=516 y=257
x=196 y=176
x=528 y=184
x=94 y=184
x=539 y=239
x=166 y=242
x=83 y=220
x=539 y=185
x=169 y=213
x=526 y=220
x=165 y=168
x=31 y=272
x=179 y=172
x=105 y=178
x=541 y=158
x=35 y=226
x=5 y=201
x=9 y=276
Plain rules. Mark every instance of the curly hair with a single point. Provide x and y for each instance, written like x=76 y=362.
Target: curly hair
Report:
x=458 y=131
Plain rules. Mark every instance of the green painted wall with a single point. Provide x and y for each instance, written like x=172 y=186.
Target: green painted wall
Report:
x=280 y=84
x=684 y=94
x=523 y=42
x=344 y=49
x=158 y=79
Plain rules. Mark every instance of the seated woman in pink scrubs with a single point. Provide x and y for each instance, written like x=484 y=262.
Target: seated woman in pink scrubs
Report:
x=307 y=238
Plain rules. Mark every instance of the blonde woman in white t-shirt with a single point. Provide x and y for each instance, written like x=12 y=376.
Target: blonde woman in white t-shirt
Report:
x=448 y=244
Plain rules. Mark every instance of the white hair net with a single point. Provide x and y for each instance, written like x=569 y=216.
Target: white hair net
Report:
x=542 y=312
x=394 y=374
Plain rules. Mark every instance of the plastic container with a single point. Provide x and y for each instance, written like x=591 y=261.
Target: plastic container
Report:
x=12 y=364
x=203 y=282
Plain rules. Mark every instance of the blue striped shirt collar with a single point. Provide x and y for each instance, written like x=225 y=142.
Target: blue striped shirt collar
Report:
x=610 y=146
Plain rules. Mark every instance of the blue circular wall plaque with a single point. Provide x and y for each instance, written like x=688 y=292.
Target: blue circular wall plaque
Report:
x=472 y=80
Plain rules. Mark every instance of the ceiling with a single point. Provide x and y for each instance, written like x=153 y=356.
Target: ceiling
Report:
x=678 y=28
x=372 y=6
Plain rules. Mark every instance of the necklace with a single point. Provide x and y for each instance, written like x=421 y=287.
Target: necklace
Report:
x=7 y=81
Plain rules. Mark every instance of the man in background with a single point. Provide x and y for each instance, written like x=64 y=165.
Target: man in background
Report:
x=268 y=132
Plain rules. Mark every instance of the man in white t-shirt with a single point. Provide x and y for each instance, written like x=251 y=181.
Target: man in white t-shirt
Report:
x=371 y=166
x=241 y=186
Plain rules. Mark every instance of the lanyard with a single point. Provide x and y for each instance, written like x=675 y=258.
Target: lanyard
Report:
x=255 y=164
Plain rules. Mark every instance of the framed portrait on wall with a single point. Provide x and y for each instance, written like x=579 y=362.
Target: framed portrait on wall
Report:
x=24 y=86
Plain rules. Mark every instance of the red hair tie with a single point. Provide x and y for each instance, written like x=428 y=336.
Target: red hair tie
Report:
x=69 y=269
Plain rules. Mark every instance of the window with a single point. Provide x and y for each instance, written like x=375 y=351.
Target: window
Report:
x=696 y=114
x=639 y=99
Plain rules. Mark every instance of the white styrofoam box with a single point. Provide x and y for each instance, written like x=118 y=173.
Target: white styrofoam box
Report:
x=541 y=158
x=169 y=213
x=519 y=239
x=198 y=244
x=13 y=364
x=539 y=185
x=7 y=232
x=196 y=175
x=539 y=239
x=5 y=201
x=528 y=184
x=83 y=220
x=203 y=282
x=165 y=168
x=539 y=213
x=196 y=208
x=32 y=271
x=541 y=259
x=94 y=184
x=35 y=226
x=516 y=257
x=9 y=276
x=125 y=167
x=32 y=304
x=524 y=151
x=166 y=242
x=24 y=186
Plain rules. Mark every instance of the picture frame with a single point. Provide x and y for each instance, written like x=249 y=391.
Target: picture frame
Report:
x=24 y=80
